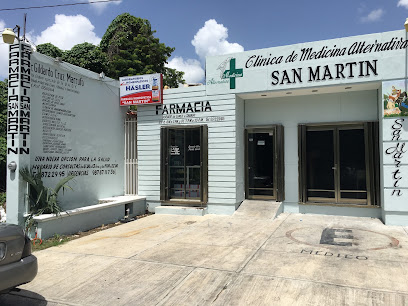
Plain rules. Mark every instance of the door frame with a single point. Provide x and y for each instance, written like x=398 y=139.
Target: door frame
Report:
x=370 y=161
x=164 y=167
x=262 y=129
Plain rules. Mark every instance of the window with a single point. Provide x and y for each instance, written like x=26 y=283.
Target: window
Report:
x=184 y=165
x=338 y=164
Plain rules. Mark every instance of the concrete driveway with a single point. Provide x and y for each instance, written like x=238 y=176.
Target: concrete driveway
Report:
x=245 y=259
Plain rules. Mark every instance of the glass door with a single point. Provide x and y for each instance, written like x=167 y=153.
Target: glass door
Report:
x=184 y=158
x=352 y=165
x=260 y=172
x=336 y=165
x=320 y=165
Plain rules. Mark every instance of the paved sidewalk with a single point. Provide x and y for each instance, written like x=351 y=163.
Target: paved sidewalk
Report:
x=226 y=260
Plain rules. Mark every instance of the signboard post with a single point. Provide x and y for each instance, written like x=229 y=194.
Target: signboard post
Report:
x=18 y=129
x=141 y=89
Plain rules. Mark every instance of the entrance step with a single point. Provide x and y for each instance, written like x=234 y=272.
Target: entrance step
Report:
x=181 y=210
x=258 y=209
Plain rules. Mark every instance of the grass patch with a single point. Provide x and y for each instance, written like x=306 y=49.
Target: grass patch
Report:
x=50 y=242
x=57 y=240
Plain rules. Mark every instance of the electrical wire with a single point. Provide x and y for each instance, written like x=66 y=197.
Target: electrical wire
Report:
x=56 y=5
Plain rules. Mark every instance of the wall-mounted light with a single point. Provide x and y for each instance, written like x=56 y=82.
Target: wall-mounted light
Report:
x=9 y=36
x=12 y=166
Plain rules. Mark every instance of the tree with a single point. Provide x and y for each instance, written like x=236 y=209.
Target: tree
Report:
x=3 y=136
x=85 y=55
x=88 y=56
x=172 y=77
x=133 y=50
x=50 y=50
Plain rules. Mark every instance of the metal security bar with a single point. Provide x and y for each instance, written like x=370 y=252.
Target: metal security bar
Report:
x=131 y=155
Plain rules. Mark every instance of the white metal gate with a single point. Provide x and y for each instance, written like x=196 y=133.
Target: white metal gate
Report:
x=131 y=154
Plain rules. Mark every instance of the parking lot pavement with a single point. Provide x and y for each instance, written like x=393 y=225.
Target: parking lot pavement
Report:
x=227 y=260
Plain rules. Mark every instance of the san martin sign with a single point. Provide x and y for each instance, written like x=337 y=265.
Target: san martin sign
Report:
x=352 y=59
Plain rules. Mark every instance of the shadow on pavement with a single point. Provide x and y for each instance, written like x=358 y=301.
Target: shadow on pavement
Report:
x=22 y=298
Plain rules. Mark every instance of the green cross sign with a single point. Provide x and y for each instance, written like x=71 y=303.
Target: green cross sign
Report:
x=233 y=73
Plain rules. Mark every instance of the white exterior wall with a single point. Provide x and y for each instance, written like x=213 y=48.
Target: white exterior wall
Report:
x=94 y=116
x=69 y=122
x=240 y=123
x=222 y=147
x=317 y=108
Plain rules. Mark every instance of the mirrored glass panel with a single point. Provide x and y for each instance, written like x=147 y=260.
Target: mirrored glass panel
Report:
x=336 y=164
x=320 y=164
x=352 y=164
x=184 y=156
x=261 y=160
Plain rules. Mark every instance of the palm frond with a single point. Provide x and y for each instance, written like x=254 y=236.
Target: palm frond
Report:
x=43 y=200
x=63 y=184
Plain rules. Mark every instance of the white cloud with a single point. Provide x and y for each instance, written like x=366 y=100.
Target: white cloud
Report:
x=100 y=7
x=193 y=72
x=375 y=15
x=68 y=31
x=3 y=55
x=403 y=3
x=211 y=39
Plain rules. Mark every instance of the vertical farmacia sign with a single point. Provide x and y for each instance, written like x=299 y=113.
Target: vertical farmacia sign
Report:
x=141 y=89
x=19 y=106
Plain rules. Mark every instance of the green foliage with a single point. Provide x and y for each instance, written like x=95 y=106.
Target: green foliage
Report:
x=3 y=149
x=172 y=77
x=50 y=50
x=87 y=56
x=2 y=198
x=43 y=200
x=128 y=47
x=50 y=242
x=394 y=115
x=132 y=49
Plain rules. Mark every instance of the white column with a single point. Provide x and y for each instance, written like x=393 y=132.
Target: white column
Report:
x=18 y=129
x=394 y=161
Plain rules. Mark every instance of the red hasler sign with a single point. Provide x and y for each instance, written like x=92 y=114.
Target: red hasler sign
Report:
x=141 y=89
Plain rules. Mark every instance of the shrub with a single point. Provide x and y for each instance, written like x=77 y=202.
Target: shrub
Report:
x=43 y=200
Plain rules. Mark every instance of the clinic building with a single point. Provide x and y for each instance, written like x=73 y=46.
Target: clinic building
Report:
x=320 y=127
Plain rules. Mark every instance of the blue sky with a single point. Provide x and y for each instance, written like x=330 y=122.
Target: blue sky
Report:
x=200 y=28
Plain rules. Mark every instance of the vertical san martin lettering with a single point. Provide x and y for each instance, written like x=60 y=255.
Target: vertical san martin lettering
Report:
x=18 y=103
x=397 y=151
